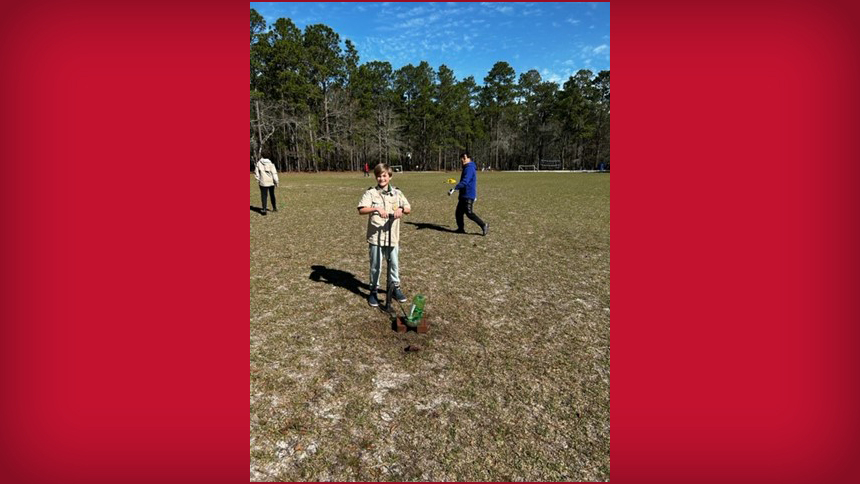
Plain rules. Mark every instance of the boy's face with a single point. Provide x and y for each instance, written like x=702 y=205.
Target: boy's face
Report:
x=464 y=159
x=382 y=179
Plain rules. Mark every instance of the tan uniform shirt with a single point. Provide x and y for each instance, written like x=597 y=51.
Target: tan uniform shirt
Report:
x=377 y=227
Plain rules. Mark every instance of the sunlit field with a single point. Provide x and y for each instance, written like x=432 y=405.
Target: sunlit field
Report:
x=510 y=383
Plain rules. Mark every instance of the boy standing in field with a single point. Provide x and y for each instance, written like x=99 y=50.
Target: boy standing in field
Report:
x=386 y=205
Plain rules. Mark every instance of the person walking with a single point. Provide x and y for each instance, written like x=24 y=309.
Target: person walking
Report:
x=468 y=187
x=267 y=176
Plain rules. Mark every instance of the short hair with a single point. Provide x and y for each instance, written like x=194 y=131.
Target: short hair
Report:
x=378 y=169
x=464 y=153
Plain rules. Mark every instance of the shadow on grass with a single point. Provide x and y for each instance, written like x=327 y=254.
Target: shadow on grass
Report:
x=437 y=227
x=422 y=226
x=340 y=278
x=257 y=209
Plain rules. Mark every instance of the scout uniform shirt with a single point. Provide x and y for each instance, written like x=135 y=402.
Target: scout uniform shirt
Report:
x=377 y=227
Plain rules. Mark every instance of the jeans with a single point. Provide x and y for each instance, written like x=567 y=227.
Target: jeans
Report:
x=377 y=254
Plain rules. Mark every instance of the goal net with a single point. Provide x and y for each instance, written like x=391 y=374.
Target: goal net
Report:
x=526 y=168
x=396 y=168
x=550 y=164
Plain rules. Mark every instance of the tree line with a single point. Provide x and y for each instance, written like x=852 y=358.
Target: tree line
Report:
x=315 y=107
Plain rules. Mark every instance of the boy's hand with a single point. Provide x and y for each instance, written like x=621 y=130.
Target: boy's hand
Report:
x=397 y=213
x=450 y=192
x=382 y=213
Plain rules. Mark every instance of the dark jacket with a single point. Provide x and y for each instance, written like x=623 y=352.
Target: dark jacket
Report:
x=468 y=185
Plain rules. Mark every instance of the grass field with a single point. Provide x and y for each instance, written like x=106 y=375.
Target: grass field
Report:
x=511 y=383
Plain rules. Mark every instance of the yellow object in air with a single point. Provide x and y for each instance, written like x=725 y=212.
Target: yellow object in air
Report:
x=451 y=180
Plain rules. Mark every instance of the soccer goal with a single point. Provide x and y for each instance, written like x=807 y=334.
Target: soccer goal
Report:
x=526 y=168
x=396 y=168
x=550 y=165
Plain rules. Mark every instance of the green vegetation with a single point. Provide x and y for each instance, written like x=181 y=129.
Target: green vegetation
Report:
x=314 y=107
x=510 y=383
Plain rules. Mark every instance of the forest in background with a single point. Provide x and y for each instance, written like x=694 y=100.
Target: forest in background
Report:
x=315 y=107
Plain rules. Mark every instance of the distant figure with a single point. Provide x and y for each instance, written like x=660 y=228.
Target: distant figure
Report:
x=468 y=188
x=366 y=169
x=385 y=205
x=267 y=176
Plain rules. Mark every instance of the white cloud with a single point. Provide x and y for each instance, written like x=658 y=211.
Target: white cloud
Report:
x=498 y=7
x=588 y=52
x=412 y=12
x=411 y=23
x=550 y=76
x=572 y=21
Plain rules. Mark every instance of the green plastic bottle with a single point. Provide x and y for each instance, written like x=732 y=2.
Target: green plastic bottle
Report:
x=417 y=311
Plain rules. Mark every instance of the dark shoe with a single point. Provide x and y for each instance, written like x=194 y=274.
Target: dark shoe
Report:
x=263 y=211
x=398 y=295
x=372 y=300
x=486 y=229
x=460 y=231
x=274 y=209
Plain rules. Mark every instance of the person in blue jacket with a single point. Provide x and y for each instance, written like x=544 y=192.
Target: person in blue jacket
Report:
x=468 y=188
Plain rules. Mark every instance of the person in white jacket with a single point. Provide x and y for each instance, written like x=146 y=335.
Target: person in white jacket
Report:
x=267 y=176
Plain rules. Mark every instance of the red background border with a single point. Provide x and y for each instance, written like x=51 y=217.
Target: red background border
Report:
x=736 y=241
x=124 y=251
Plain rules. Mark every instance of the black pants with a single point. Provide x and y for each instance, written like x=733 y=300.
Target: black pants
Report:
x=464 y=206
x=271 y=191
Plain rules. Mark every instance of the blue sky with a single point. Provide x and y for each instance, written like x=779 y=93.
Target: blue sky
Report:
x=557 y=39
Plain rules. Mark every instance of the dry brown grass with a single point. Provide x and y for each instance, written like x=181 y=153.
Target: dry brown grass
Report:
x=510 y=384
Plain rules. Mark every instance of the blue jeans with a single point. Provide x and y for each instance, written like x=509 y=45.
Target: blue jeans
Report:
x=377 y=254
